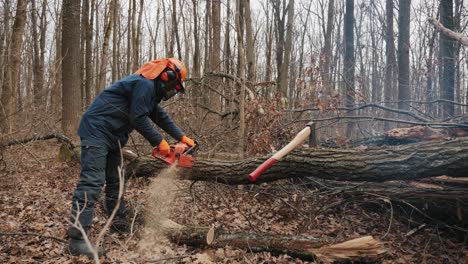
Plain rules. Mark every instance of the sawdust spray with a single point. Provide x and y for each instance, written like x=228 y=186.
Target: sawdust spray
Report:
x=159 y=200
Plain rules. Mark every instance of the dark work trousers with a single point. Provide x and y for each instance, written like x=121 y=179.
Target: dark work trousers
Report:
x=99 y=167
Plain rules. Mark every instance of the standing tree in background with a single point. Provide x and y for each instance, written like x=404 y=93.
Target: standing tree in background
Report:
x=109 y=21
x=283 y=43
x=390 y=64
x=250 y=44
x=326 y=52
x=11 y=75
x=349 y=60
x=39 y=50
x=240 y=19
x=447 y=59
x=196 y=71
x=404 y=92
x=284 y=69
x=71 y=92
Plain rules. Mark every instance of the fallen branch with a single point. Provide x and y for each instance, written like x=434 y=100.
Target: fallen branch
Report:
x=304 y=247
x=32 y=234
x=60 y=137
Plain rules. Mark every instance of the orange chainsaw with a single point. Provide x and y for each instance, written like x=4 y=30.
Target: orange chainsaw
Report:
x=180 y=152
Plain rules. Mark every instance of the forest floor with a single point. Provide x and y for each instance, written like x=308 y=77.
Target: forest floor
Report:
x=35 y=198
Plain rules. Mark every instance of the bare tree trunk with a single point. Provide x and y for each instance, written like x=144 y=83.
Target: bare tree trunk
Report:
x=105 y=47
x=215 y=54
x=227 y=43
x=326 y=54
x=430 y=91
x=241 y=73
x=175 y=28
x=349 y=61
x=38 y=61
x=390 y=58
x=284 y=70
x=71 y=99
x=279 y=15
x=404 y=89
x=196 y=38
x=115 y=42
x=4 y=39
x=12 y=70
x=88 y=55
x=406 y=162
x=268 y=48
x=56 y=95
x=251 y=69
x=136 y=38
x=447 y=58
x=130 y=20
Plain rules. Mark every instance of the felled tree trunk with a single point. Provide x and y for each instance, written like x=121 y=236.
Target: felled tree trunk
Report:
x=304 y=247
x=407 y=162
x=439 y=202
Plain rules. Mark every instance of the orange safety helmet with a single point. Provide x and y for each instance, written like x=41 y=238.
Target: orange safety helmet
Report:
x=169 y=70
x=151 y=70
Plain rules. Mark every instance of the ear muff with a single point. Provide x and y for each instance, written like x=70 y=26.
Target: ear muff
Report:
x=168 y=76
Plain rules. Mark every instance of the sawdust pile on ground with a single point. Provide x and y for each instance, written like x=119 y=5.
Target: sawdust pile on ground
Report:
x=159 y=203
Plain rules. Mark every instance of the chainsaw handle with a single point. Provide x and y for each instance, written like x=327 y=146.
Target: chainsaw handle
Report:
x=193 y=149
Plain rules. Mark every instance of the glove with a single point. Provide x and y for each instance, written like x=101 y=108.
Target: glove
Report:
x=164 y=148
x=188 y=141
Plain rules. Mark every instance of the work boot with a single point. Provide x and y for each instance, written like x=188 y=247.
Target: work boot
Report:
x=120 y=224
x=77 y=245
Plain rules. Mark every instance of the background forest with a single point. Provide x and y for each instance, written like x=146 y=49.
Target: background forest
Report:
x=257 y=69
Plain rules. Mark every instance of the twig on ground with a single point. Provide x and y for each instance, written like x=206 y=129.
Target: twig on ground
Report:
x=391 y=216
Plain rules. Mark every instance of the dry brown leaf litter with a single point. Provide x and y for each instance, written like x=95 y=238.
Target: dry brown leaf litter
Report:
x=35 y=197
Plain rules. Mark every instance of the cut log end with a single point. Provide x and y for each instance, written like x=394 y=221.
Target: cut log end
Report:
x=356 y=249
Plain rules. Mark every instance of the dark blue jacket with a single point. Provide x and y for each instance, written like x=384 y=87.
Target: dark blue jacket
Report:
x=124 y=106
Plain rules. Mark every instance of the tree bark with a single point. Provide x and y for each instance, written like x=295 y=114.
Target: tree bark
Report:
x=404 y=92
x=447 y=60
x=349 y=60
x=241 y=74
x=390 y=63
x=326 y=52
x=407 y=162
x=38 y=61
x=71 y=92
x=250 y=47
x=284 y=70
x=196 y=49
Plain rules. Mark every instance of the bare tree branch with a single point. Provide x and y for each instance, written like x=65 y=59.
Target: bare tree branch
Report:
x=455 y=35
x=373 y=118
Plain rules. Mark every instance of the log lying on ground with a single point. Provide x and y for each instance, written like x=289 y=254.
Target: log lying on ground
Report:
x=407 y=162
x=445 y=204
x=420 y=133
x=304 y=247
